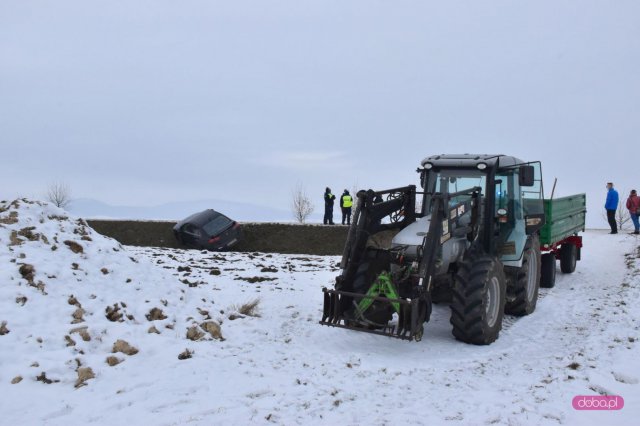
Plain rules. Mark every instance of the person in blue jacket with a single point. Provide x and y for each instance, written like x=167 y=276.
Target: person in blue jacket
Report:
x=611 y=206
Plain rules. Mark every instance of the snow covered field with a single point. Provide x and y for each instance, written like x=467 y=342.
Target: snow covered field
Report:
x=64 y=309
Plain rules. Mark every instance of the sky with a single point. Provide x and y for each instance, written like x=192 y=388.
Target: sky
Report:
x=150 y=102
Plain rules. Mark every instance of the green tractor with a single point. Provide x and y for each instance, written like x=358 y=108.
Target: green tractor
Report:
x=473 y=242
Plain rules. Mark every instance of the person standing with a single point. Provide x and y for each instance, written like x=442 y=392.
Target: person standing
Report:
x=328 y=206
x=346 y=203
x=633 y=205
x=611 y=205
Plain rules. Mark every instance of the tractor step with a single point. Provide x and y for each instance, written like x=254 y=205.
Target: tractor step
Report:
x=408 y=327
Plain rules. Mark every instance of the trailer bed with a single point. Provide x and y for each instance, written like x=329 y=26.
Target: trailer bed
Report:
x=564 y=217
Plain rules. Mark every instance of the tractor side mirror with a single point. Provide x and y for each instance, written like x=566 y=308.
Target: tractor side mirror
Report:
x=527 y=176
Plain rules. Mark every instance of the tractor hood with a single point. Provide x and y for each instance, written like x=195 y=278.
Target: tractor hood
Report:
x=413 y=235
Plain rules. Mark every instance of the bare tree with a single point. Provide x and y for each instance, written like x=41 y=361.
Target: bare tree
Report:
x=622 y=215
x=59 y=194
x=301 y=204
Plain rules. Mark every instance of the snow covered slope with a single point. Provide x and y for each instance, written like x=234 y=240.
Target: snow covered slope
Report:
x=273 y=363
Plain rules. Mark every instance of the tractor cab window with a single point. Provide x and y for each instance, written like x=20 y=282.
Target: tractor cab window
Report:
x=532 y=195
x=506 y=191
x=452 y=181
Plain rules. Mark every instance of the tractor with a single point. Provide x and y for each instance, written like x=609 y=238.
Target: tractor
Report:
x=468 y=237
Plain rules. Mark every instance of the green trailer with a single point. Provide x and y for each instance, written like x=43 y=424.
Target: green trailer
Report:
x=559 y=239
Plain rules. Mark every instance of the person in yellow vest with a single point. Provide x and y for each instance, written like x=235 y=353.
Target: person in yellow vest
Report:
x=346 y=202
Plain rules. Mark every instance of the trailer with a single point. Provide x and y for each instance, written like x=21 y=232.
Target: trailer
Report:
x=559 y=239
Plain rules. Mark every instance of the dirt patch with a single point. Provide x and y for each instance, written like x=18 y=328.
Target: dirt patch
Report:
x=194 y=333
x=113 y=361
x=14 y=240
x=184 y=269
x=70 y=341
x=156 y=314
x=29 y=234
x=105 y=271
x=124 y=347
x=213 y=328
x=27 y=271
x=214 y=271
x=250 y=309
x=269 y=269
x=73 y=301
x=253 y=280
x=44 y=379
x=3 y=328
x=16 y=380
x=186 y=354
x=84 y=374
x=153 y=329
x=78 y=316
x=82 y=332
x=114 y=314
x=74 y=247
x=11 y=219
x=204 y=313
x=21 y=300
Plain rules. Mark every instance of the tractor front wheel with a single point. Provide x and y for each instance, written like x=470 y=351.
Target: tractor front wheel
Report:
x=479 y=293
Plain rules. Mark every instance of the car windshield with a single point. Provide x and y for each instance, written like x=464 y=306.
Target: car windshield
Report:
x=216 y=225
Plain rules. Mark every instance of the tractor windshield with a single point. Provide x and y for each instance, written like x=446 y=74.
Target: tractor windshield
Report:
x=452 y=181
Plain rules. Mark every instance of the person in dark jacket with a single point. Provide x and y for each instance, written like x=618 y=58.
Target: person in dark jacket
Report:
x=633 y=205
x=328 y=206
x=346 y=203
x=611 y=205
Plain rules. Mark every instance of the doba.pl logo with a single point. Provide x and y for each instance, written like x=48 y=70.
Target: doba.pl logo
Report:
x=597 y=402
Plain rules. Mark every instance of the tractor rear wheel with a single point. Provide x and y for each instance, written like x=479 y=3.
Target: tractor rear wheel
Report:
x=479 y=292
x=548 y=273
x=568 y=258
x=524 y=289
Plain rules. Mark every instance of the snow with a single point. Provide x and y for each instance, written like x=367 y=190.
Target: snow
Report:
x=282 y=367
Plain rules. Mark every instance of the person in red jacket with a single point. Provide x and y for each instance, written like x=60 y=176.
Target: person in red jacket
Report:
x=633 y=205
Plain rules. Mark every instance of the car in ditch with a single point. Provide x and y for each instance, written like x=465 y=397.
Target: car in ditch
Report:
x=209 y=230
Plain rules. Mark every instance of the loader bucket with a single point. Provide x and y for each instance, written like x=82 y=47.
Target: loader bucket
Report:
x=410 y=316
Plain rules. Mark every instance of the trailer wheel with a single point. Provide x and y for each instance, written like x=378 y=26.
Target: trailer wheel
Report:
x=477 y=306
x=548 y=272
x=524 y=290
x=568 y=258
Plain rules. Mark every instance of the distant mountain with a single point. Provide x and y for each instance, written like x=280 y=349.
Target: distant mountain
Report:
x=244 y=212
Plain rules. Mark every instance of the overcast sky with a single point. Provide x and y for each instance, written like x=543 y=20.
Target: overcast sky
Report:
x=147 y=102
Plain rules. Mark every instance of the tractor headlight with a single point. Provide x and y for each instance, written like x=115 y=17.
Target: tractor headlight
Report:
x=481 y=166
x=428 y=166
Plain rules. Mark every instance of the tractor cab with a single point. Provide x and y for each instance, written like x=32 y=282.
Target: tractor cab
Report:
x=511 y=195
